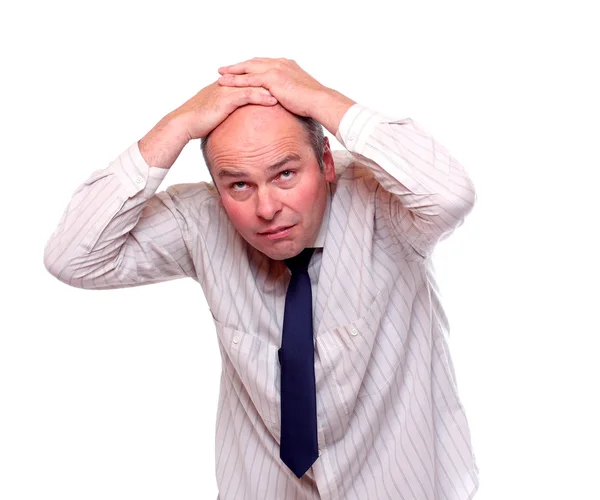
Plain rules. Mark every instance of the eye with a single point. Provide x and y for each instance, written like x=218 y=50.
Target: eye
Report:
x=286 y=174
x=238 y=186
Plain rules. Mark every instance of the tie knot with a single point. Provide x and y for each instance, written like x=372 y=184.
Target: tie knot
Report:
x=299 y=263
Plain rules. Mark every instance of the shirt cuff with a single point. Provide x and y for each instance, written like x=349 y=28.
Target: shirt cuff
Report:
x=357 y=124
x=133 y=171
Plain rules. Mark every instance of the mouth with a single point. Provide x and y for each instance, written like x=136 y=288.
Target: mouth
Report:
x=277 y=233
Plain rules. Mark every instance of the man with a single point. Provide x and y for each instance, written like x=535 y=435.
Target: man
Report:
x=370 y=409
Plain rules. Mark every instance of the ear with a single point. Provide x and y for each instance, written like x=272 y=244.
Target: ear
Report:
x=328 y=166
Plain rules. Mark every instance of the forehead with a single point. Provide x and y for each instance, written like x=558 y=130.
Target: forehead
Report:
x=257 y=134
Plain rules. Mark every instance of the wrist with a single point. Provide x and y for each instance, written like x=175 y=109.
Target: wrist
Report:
x=162 y=145
x=176 y=126
x=330 y=108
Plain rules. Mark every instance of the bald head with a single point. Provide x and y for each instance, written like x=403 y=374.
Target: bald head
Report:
x=254 y=115
x=255 y=126
x=247 y=126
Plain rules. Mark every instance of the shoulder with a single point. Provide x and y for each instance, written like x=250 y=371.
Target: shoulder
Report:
x=193 y=194
x=196 y=202
x=351 y=171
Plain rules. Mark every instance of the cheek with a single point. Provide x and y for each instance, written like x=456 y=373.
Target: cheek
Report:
x=240 y=217
x=302 y=199
x=307 y=199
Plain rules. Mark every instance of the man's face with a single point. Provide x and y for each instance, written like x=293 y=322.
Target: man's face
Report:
x=269 y=180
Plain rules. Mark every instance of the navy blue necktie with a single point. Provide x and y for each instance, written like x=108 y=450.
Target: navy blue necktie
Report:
x=298 y=443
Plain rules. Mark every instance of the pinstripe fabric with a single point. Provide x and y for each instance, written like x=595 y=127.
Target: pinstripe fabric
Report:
x=390 y=421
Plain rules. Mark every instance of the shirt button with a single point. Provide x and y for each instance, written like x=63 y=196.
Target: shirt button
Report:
x=354 y=332
x=139 y=179
x=351 y=136
x=319 y=451
x=236 y=340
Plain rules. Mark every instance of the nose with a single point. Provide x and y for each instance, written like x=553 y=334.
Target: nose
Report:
x=267 y=204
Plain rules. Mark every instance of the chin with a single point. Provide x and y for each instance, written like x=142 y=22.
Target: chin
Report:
x=280 y=253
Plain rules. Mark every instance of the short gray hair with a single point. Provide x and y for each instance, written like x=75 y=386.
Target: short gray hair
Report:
x=314 y=134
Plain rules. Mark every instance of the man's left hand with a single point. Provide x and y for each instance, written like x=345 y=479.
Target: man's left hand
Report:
x=293 y=88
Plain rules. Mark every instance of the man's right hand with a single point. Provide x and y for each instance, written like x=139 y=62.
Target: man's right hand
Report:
x=209 y=107
x=195 y=119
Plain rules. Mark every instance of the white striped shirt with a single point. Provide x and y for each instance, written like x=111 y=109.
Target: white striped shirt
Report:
x=390 y=421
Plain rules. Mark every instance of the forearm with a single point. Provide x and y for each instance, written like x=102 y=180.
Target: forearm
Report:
x=162 y=145
x=330 y=107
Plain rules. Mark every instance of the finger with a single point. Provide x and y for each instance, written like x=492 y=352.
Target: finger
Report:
x=246 y=80
x=237 y=69
x=258 y=64
x=263 y=99
x=261 y=90
x=253 y=95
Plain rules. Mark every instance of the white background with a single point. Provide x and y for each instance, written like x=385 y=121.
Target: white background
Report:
x=113 y=394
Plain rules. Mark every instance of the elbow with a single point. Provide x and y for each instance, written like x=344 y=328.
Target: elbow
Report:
x=461 y=200
x=61 y=271
x=470 y=198
x=461 y=193
x=49 y=261
x=467 y=200
x=59 y=274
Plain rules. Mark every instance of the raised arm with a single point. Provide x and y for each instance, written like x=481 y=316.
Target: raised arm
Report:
x=116 y=232
x=431 y=191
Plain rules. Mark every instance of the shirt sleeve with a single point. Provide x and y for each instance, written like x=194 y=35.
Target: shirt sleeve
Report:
x=430 y=191
x=116 y=232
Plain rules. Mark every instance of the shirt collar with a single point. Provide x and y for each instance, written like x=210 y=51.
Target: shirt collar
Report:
x=320 y=239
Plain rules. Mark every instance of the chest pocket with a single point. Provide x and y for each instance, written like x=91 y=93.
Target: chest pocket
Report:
x=249 y=364
x=350 y=354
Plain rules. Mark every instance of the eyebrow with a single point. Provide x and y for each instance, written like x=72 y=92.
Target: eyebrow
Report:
x=270 y=169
